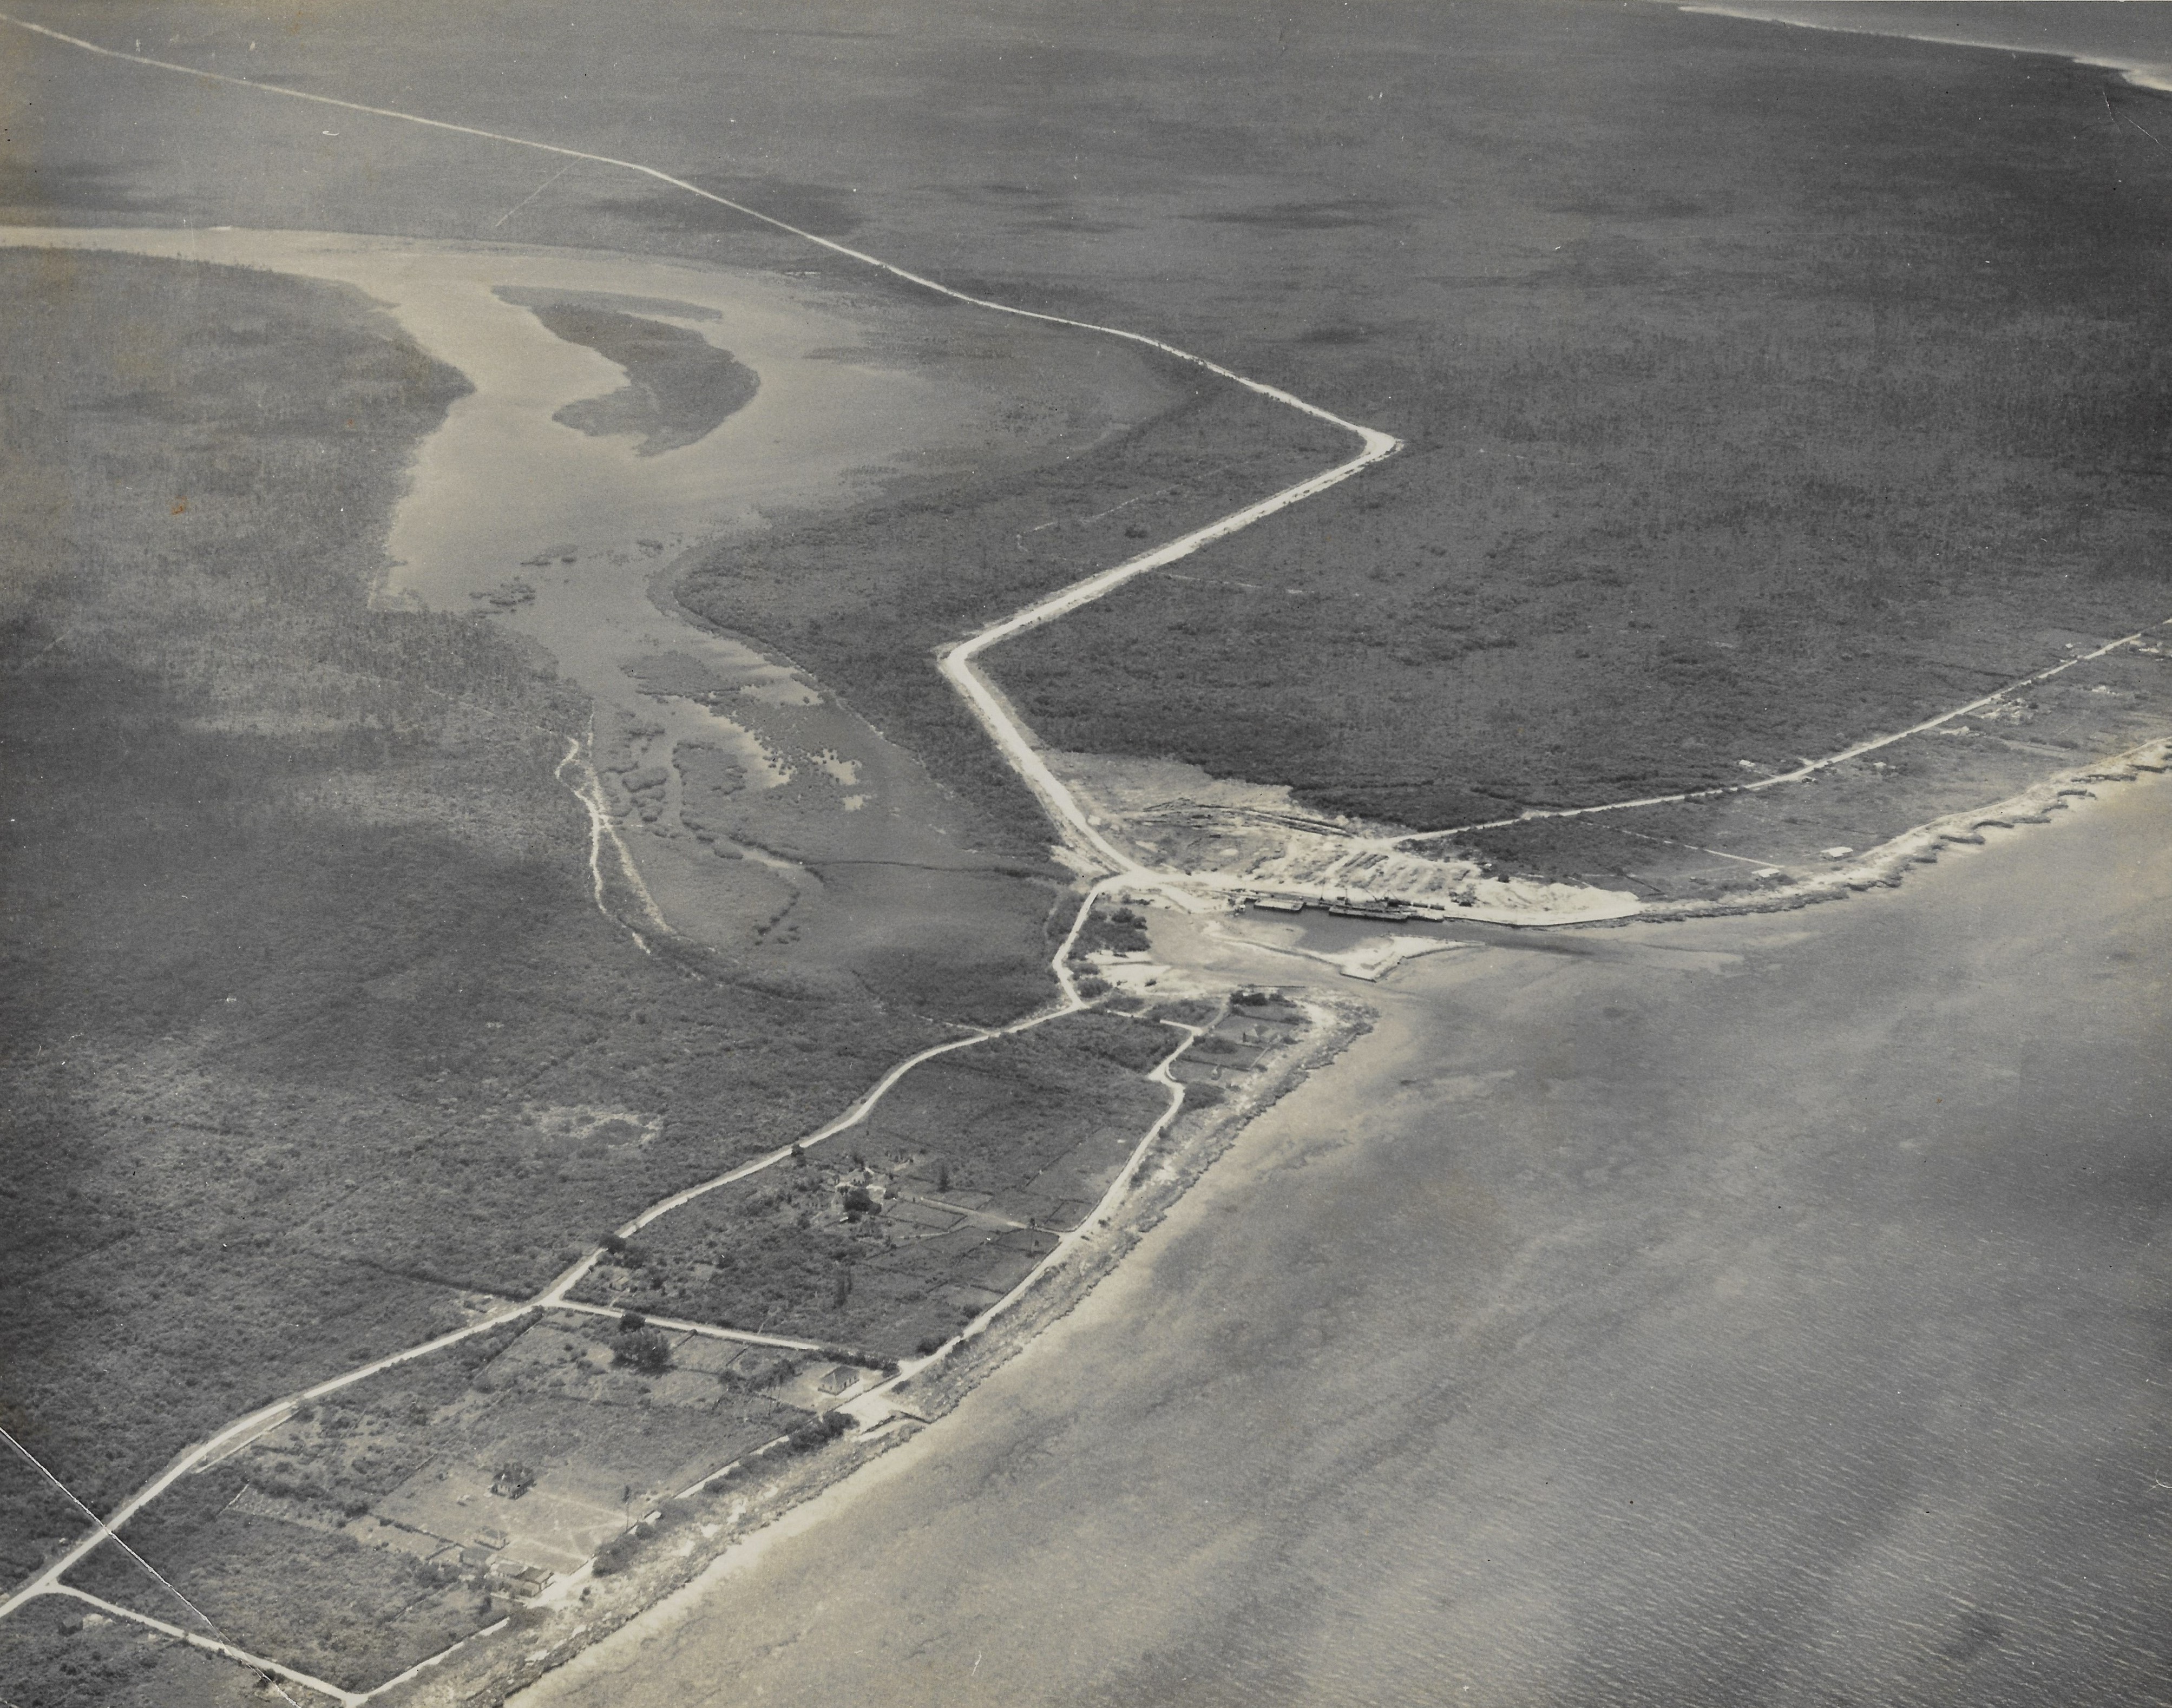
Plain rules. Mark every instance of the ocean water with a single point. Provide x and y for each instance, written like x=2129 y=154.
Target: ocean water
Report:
x=1767 y=1311
x=2133 y=36
x=1761 y=1311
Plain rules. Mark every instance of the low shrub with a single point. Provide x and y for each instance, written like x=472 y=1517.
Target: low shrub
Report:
x=644 y=1349
x=819 y=1431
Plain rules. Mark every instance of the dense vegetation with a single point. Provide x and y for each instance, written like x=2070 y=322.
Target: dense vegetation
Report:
x=59 y=1654
x=310 y=1025
x=1762 y=387
x=679 y=386
x=864 y=597
x=35 y=1517
x=1633 y=555
x=1807 y=422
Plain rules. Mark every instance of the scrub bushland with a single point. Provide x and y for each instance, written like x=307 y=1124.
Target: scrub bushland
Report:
x=1762 y=387
x=81 y=1659
x=864 y=597
x=1777 y=444
x=312 y=1031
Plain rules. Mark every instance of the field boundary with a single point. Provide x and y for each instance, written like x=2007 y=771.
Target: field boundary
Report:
x=269 y=1670
x=1070 y=821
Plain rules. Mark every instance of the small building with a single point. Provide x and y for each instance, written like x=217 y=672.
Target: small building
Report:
x=838 y=1379
x=522 y=1581
x=1366 y=910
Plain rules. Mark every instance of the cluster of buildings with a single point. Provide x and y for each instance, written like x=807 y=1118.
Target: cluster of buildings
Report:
x=1345 y=907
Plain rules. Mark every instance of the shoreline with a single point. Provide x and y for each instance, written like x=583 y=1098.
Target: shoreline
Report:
x=324 y=247
x=900 y=1429
x=1027 y=1334
x=896 y=1444
x=2153 y=76
x=664 y=1583
x=1373 y=958
x=1528 y=1328
x=1883 y=867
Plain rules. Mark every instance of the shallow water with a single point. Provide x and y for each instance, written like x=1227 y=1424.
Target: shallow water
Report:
x=502 y=483
x=568 y=536
x=501 y=480
x=1755 y=1310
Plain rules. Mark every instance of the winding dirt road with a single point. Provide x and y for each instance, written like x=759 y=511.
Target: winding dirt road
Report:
x=957 y=663
x=1012 y=738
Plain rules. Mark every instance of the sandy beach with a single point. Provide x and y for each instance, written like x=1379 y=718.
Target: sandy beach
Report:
x=1642 y=1312
x=1753 y=1309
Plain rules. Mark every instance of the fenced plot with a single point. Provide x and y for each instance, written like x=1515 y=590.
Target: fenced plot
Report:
x=941 y=1202
x=375 y=1528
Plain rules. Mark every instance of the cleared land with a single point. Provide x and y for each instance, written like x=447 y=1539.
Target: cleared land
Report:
x=951 y=1193
x=324 y=1047
x=1743 y=1311
x=1673 y=368
x=377 y=1527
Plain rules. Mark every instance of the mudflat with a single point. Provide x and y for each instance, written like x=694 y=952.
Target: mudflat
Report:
x=1748 y=1310
x=1729 y=441
x=762 y=814
x=1627 y=1347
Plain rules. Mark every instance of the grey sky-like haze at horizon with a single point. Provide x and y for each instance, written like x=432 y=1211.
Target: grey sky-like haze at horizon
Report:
x=2135 y=35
